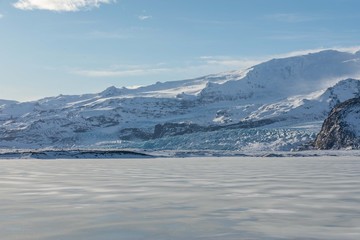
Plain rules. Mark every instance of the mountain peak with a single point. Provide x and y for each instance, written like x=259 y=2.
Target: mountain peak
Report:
x=296 y=75
x=113 y=91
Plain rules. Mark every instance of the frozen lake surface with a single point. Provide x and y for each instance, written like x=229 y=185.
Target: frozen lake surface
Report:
x=192 y=198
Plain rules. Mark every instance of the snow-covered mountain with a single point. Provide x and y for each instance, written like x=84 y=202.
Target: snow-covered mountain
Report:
x=279 y=104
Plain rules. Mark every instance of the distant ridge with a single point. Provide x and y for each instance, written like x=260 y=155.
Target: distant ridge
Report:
x=292 y=95
x=72 y=154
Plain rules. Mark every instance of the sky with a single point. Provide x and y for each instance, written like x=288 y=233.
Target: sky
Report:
x=52 y=47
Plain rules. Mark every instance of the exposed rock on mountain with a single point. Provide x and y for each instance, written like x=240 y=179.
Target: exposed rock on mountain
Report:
x=175 y=129
x=342 y=128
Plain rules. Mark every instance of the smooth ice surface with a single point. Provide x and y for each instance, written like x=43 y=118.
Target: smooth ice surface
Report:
x=192 y=198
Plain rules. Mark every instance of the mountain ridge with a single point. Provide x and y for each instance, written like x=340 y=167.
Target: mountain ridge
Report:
x=287 y=91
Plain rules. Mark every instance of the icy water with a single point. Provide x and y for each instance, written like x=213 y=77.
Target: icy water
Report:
x=193 y=198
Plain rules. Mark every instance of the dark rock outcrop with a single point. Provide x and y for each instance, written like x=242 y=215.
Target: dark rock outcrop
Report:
x=341 y=129
x=130 y=134
x=175 y=129
x=72 y=154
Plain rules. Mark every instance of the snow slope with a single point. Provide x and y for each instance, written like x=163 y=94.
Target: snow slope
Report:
x=295 y=93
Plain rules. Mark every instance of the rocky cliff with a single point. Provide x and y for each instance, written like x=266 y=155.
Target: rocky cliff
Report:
x=342 y=128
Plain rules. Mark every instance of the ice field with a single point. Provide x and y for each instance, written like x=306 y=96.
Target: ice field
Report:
x=190 y=198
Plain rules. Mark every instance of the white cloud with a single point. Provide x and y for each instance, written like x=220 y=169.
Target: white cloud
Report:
x=60 y=5
x=120 y=73
x=238 y=63
x=1 y=16
x=193 y=68
x=144 y=17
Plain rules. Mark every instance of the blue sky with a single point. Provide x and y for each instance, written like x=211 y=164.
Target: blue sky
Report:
x=51 y=47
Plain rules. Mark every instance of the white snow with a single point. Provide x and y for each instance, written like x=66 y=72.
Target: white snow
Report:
x=352 y=119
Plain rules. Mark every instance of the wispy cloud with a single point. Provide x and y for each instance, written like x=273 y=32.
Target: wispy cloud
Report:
x=194 y=68
x=60 y=5
x=131 y=71
x=225 y=61
x=144 y=17
x=1 y=16
x=290 y=17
